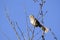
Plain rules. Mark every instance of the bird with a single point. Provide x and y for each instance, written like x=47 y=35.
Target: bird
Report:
x=36 y=23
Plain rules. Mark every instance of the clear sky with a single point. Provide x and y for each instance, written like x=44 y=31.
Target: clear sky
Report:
x=17 y=14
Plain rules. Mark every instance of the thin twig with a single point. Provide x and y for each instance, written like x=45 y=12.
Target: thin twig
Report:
x=42 y=15
x=40 y=10
x=43 y=36
x=27 y=27
x=41 y=6
x=33 y=34
x=12 y=24
x=53 y=34
x=39 y=37
x=37 y=33
x=20 y=31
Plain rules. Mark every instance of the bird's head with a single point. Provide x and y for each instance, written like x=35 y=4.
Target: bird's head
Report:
x=31 y=16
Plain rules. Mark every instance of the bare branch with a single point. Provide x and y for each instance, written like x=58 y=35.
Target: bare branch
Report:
x=53 y=34
x=37 y=33
x=33 y=34
x=12 y=24
x=27 y=27
x=42 y=15
x=43 y=36
x=20 y=31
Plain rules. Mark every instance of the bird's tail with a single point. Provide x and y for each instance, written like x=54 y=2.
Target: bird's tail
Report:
x=45 y=29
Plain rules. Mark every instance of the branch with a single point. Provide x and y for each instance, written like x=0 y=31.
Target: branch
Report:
x=20 y=31
x=27 y=27
x=43 y=36
x=37 y=33
x=12 y=24
x=53 y=34
x=42 y=15
x=33 y=34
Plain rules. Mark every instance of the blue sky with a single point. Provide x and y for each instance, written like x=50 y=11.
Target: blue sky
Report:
x=16 y=11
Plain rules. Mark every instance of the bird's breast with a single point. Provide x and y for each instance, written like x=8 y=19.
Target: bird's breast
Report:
x=33 y=22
